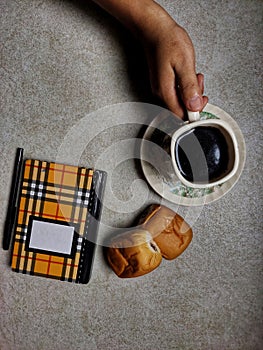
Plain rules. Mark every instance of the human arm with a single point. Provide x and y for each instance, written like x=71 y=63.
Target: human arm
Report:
x=169 y=51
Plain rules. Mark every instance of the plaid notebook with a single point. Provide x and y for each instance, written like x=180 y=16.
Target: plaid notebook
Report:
x=57 y=220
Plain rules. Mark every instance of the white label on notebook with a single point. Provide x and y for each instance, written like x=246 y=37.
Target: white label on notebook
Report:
x=51 y=237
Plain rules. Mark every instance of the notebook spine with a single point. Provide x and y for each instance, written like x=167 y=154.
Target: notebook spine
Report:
x=92 y=226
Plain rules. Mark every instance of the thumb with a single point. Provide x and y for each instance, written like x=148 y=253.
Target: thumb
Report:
x=191 y=92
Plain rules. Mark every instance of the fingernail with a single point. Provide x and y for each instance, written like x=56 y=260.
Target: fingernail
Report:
x=195 y=103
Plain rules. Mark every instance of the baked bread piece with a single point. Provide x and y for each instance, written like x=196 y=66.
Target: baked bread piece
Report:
x=133 y=254
x=168 y=229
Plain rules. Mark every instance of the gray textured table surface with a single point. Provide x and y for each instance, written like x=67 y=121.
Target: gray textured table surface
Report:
x=61 y=61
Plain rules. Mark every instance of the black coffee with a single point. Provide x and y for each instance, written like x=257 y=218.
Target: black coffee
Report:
x=202 y=154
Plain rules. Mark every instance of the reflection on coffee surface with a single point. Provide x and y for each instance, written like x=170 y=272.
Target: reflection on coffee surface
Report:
x=202 y=154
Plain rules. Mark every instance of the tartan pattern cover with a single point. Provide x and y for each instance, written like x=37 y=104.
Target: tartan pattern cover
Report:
x=61 y=194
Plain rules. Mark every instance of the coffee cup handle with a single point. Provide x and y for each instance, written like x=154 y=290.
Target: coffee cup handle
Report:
x=193 y=116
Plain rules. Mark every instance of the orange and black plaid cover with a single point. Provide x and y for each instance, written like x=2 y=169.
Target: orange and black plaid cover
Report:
x=65 y=195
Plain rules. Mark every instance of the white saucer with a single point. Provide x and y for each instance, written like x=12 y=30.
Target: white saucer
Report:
x=171 y=188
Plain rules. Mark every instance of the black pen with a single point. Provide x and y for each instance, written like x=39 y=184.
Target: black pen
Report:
x=11 y=211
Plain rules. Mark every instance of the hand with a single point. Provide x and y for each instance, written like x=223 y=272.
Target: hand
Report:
x=169 y=52
x=171 y=60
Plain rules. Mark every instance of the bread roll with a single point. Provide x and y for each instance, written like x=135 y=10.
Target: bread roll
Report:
x=168 y=229
x=133 y=254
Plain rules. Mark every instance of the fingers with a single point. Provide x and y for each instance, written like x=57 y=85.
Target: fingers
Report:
x=191 y=94
x=188 y=95
x=191 y=86
x=200 y=79
x=164 y=86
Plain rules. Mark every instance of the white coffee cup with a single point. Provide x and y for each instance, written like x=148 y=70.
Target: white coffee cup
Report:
x=195 y=155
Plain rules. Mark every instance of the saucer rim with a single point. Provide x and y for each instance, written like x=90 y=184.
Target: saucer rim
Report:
x=165 y=191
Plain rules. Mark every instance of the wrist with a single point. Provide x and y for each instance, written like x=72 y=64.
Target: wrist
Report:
x=151 y=22
x=144 y=18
